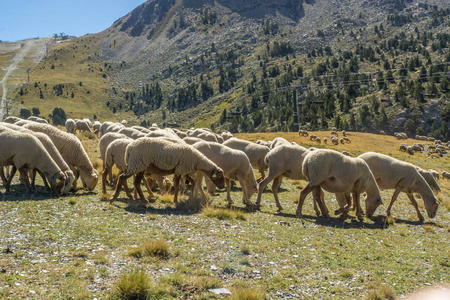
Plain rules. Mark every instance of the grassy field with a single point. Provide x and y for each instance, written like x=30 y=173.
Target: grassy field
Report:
x=80 y=247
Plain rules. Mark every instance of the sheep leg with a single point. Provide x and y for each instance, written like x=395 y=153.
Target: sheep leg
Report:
x=245 y=192
x=414 y=203
x=305 y=192
x=110 y=175
x=263 y=175
x=47 y=187
x=127 y=190
x=168 y=185
x=24 y=178
x=105 y=172
x=122 y=178
x=176 y=183
x=2 y=176
x=228 y=186
x=137 y=186
x=359 y=214
x=192 y=182
x=261 y=187
x=199 y=186
x=275 y=185
x=394 y=197
x=147 y=186
x=10 y=177
x=318 y=196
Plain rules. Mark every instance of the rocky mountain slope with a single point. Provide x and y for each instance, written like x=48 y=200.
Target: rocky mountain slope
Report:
x=222 y=63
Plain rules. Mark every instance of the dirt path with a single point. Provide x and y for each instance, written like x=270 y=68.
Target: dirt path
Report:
x=35 y=50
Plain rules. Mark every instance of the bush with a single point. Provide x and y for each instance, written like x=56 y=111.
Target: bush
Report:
x=58 y=116
x=25 y=113
x=135 y=285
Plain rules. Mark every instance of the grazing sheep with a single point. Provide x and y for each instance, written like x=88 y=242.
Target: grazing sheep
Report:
x=403 y=147
x=141 y=129
x=429 y=178
x=343 y=133
x=312 y=137
x=192 y=140
x=278 y=141
x=71 y=149
x=303 y=132
x=346 y=139
x=445 y=175
x=71 y=126
x=391 y=173
x=96 y=127
x=401 y=135
x=103 y=144
x=226 y=135
x=205 y=135
x=23 y=150
x=82 y=125
x=12 y=119
x=318 y=140
x=54 y=154
x=181 y=134
x=284 y=161
x=334 y=132
x=418 y=147
x=124 y=122
x=235 y=165
x=160 y=157
x=268 y=144
x=131 y=133
x=382 y=132
x=37 y=119
x=163 y=133
x=337 y=173
x=341 y=140
x=255 y=153
x=334 y=140
x=410 y=150
x=434 y=173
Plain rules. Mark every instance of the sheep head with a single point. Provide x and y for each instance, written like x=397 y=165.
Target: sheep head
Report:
x=57 y=182
x=372 y=203
x=431 y=206
x=216 y=176
x=89 y=178
x=70 y=178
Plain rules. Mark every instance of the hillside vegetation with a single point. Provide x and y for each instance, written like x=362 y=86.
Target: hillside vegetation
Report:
x=80 y=247
x=359 y=65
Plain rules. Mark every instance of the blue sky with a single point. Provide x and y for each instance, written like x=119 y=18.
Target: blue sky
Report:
x=23 y=19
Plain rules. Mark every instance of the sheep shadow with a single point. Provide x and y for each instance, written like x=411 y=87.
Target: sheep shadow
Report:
x=350 y=222
x=20 y=194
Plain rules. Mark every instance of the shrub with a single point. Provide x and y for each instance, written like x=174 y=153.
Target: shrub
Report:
x=134 y=285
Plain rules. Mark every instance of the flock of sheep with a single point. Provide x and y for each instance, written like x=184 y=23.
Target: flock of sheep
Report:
x=149 y=155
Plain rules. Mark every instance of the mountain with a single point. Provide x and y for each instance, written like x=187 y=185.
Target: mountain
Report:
x=368 y=65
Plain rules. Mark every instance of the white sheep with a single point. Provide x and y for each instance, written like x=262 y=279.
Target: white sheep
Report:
x=96 y=127
x=391 y=173
x=131 y=133
x=161 y=157
x=264 y=143
x=71 y=149
x=235 y=165
x=192 y=140
x=302 y=132
x=71 y=126
x=82 y=125
x=445 y=175
x=226 y=135
x=278 y=141
x=12 y=119
x=140 y=128
x=37 y=119
x=325 y=140
x=23 y=150
x=429 y=178
x=255 y=153
x=382 y=132
x=284 y=161
x=337 y=173
x=434 y=173
x=52 y=150
x=312 y=137
x=103 y=144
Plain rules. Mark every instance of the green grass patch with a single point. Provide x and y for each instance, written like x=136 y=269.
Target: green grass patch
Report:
x=157 y=248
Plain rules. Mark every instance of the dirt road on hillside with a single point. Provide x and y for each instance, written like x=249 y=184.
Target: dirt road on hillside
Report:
x=35 y=50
